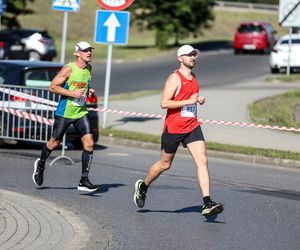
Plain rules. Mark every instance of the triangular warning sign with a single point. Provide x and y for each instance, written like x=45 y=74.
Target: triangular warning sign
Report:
x=66 y=3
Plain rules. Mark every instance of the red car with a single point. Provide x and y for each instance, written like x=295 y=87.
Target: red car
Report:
x=254 y=36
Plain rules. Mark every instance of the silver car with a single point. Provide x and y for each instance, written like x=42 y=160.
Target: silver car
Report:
x=36 y=44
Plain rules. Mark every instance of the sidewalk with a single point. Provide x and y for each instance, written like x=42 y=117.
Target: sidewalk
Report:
x=227 y=103
x=31 y=223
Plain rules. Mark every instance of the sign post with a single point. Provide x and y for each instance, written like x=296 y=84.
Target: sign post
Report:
x=111 y=27
x=66 y=6
x=3 y=5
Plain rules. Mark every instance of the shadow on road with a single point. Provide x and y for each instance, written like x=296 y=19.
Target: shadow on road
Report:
x=193 y=209
x=125 y=120
x=103 y=188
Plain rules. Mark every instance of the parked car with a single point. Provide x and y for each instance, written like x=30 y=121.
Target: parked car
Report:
x=31 y=44
x=279 y=57
x=254 y=36
x=11 y=46
x=36 y=76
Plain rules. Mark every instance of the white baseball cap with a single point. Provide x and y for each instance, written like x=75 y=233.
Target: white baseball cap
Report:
x=187 y=49
x=82 y=46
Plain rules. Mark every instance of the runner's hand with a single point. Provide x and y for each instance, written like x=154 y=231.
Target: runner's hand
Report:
x=194 y=99
x=201 y=99
x=91 y=92
x=78 y=93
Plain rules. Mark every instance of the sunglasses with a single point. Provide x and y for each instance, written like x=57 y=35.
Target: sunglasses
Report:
x=192 y=54
x=86 y=50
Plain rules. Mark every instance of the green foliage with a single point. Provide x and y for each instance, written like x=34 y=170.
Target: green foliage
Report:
x=276 y=110
x=172 y=19
x=14 y=9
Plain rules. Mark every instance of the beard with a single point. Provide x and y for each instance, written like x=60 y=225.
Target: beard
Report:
x=189 y=65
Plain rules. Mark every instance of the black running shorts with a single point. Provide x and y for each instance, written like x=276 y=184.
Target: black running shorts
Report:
x=61 y=124
x=170 y=142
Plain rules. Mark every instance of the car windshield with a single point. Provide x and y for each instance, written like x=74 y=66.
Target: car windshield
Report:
x=294 y=41
x=8 y=75
x=40 y=77
x=250 y=28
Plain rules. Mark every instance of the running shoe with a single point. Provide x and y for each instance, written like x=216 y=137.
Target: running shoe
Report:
x=212 y=208
x=38 y=173
x=86 y=185
x=139 y=195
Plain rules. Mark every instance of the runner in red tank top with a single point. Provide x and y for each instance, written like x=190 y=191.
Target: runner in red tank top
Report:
x=180 y=97
x=183 y=119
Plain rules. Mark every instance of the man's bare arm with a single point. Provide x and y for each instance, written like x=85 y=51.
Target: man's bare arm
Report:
x=59 y=80
x=171 y=89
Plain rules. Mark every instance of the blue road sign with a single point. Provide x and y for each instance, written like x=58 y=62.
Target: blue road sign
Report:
x=3 y=4
x=111 y=27
x=66 y=5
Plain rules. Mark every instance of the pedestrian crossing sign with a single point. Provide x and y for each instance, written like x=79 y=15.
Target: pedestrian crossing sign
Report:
x=66 y=5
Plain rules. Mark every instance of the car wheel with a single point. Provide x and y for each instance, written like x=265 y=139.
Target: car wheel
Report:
x=34 y=56
x=237 y=51
x=274 y=70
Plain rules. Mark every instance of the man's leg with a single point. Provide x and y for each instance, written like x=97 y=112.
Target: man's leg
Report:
x=39 y=164
x=87 y=154
x=59 y=128
x=198 y=152
x=159 y=167
x=154 y=172
x=86 y=159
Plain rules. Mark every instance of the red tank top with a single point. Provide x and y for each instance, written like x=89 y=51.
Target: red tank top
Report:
x=184 y=119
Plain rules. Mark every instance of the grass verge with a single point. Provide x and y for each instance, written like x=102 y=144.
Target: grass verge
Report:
x=210 y=145
x=283 y=78
x=276 y=110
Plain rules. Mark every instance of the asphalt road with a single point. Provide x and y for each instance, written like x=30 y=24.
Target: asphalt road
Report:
x=262 y=202
x=212 y=69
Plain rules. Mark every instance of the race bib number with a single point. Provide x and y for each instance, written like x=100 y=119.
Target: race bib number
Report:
x=189 y=110
x=79 y=101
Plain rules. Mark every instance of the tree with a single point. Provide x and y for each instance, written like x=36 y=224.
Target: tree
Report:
x=14 y=9
x=175 y=19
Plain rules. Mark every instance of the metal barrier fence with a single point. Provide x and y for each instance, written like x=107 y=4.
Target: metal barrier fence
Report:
x=258 y=6
x=27 y=114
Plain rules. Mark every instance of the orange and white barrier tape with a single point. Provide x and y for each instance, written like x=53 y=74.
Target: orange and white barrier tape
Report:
x=127 y=113
x=27 y=96
x=27 y=115
x=229 y=123
x=250 y=125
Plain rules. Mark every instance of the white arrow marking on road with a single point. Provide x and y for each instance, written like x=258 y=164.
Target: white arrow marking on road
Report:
x=112 y=23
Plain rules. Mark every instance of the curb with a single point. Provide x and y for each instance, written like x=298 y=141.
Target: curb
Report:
x=211 y=153
x=34 y=223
